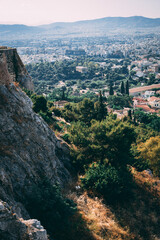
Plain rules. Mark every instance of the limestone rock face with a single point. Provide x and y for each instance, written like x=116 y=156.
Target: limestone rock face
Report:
x=14 y=67
x=29 y=150
x=13 y=228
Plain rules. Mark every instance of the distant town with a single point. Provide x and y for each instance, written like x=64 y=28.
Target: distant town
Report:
x=83 y=66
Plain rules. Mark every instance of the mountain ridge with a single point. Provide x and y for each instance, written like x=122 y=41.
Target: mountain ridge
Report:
x=102 y=26
x=102 y=19
x=79 y=21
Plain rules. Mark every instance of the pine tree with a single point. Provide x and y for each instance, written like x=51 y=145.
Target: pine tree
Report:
x=122 y=88
x=100 y=108
x=127 y=87
x=111 y=92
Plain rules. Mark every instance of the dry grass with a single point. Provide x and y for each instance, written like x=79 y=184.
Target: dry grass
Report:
x=141 y=214
x=99 y=218
x=148 y=182
x=16 y=84
x=135 y=219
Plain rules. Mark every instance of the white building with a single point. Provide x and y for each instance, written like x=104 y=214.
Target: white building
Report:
x=139 y=74
x=148 y=94
x=154 y=102
x=81 y=69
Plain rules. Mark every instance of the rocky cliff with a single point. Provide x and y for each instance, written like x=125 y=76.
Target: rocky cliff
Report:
x=29 y=152
x=15 y=228
x=12 y=62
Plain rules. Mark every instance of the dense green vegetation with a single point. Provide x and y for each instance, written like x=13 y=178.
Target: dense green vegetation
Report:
x=46 y=75
x=119 y=102
x=106 y=141
x=100 y=137
x=67 y=94
x=106 y=180
x=84 y=111
x=150 y=152
x=149 y=120
x=43 y=108
x=103 y=151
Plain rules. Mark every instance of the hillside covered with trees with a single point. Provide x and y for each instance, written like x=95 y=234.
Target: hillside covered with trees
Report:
x=116 y=167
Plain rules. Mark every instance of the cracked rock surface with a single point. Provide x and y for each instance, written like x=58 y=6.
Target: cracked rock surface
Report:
x=14 y=228
x=29 y=151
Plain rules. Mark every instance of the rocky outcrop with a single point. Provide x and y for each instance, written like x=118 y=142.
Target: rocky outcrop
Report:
x=14 y=228
x=29 y=152
x=15 y=67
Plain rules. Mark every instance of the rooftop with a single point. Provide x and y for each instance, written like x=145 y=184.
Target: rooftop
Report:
x=154 y=99
x=146 y=108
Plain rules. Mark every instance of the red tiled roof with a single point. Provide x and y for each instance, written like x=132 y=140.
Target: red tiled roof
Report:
x=154 y=99
x=146 y=108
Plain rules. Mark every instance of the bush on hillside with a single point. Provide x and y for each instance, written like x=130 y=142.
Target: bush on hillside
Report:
x=107 y=181
x=150 y=152
x=56 y=111
x=66 y=137
x=39 y=103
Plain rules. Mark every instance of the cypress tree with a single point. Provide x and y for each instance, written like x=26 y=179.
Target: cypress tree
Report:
x=100 y=98
x=122 y=88
x=127 y=87
x=111 y=92
x=100 y=108
x=130 y=114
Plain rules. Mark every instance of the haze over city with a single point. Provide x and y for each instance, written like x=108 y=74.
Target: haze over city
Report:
x=36 y=12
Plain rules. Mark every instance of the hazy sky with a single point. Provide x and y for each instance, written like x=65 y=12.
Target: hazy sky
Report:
x=34 y=12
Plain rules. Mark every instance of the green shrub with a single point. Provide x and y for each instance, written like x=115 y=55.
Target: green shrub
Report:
x=139 y=163
x=107 y=181
x=47 y=116
x=39 y=103
x=57 y=127
x=66 y=137
x=57 y=111
x=28 y=92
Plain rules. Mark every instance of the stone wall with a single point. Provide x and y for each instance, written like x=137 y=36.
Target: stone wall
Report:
x=10 y=61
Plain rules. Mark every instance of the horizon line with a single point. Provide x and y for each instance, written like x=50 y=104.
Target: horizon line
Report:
x=36 y=25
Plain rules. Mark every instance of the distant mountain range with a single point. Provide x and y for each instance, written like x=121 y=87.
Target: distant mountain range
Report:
x=101 y=26
x=116 y=22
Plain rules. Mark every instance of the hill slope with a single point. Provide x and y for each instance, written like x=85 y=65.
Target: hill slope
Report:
x=100 y=26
